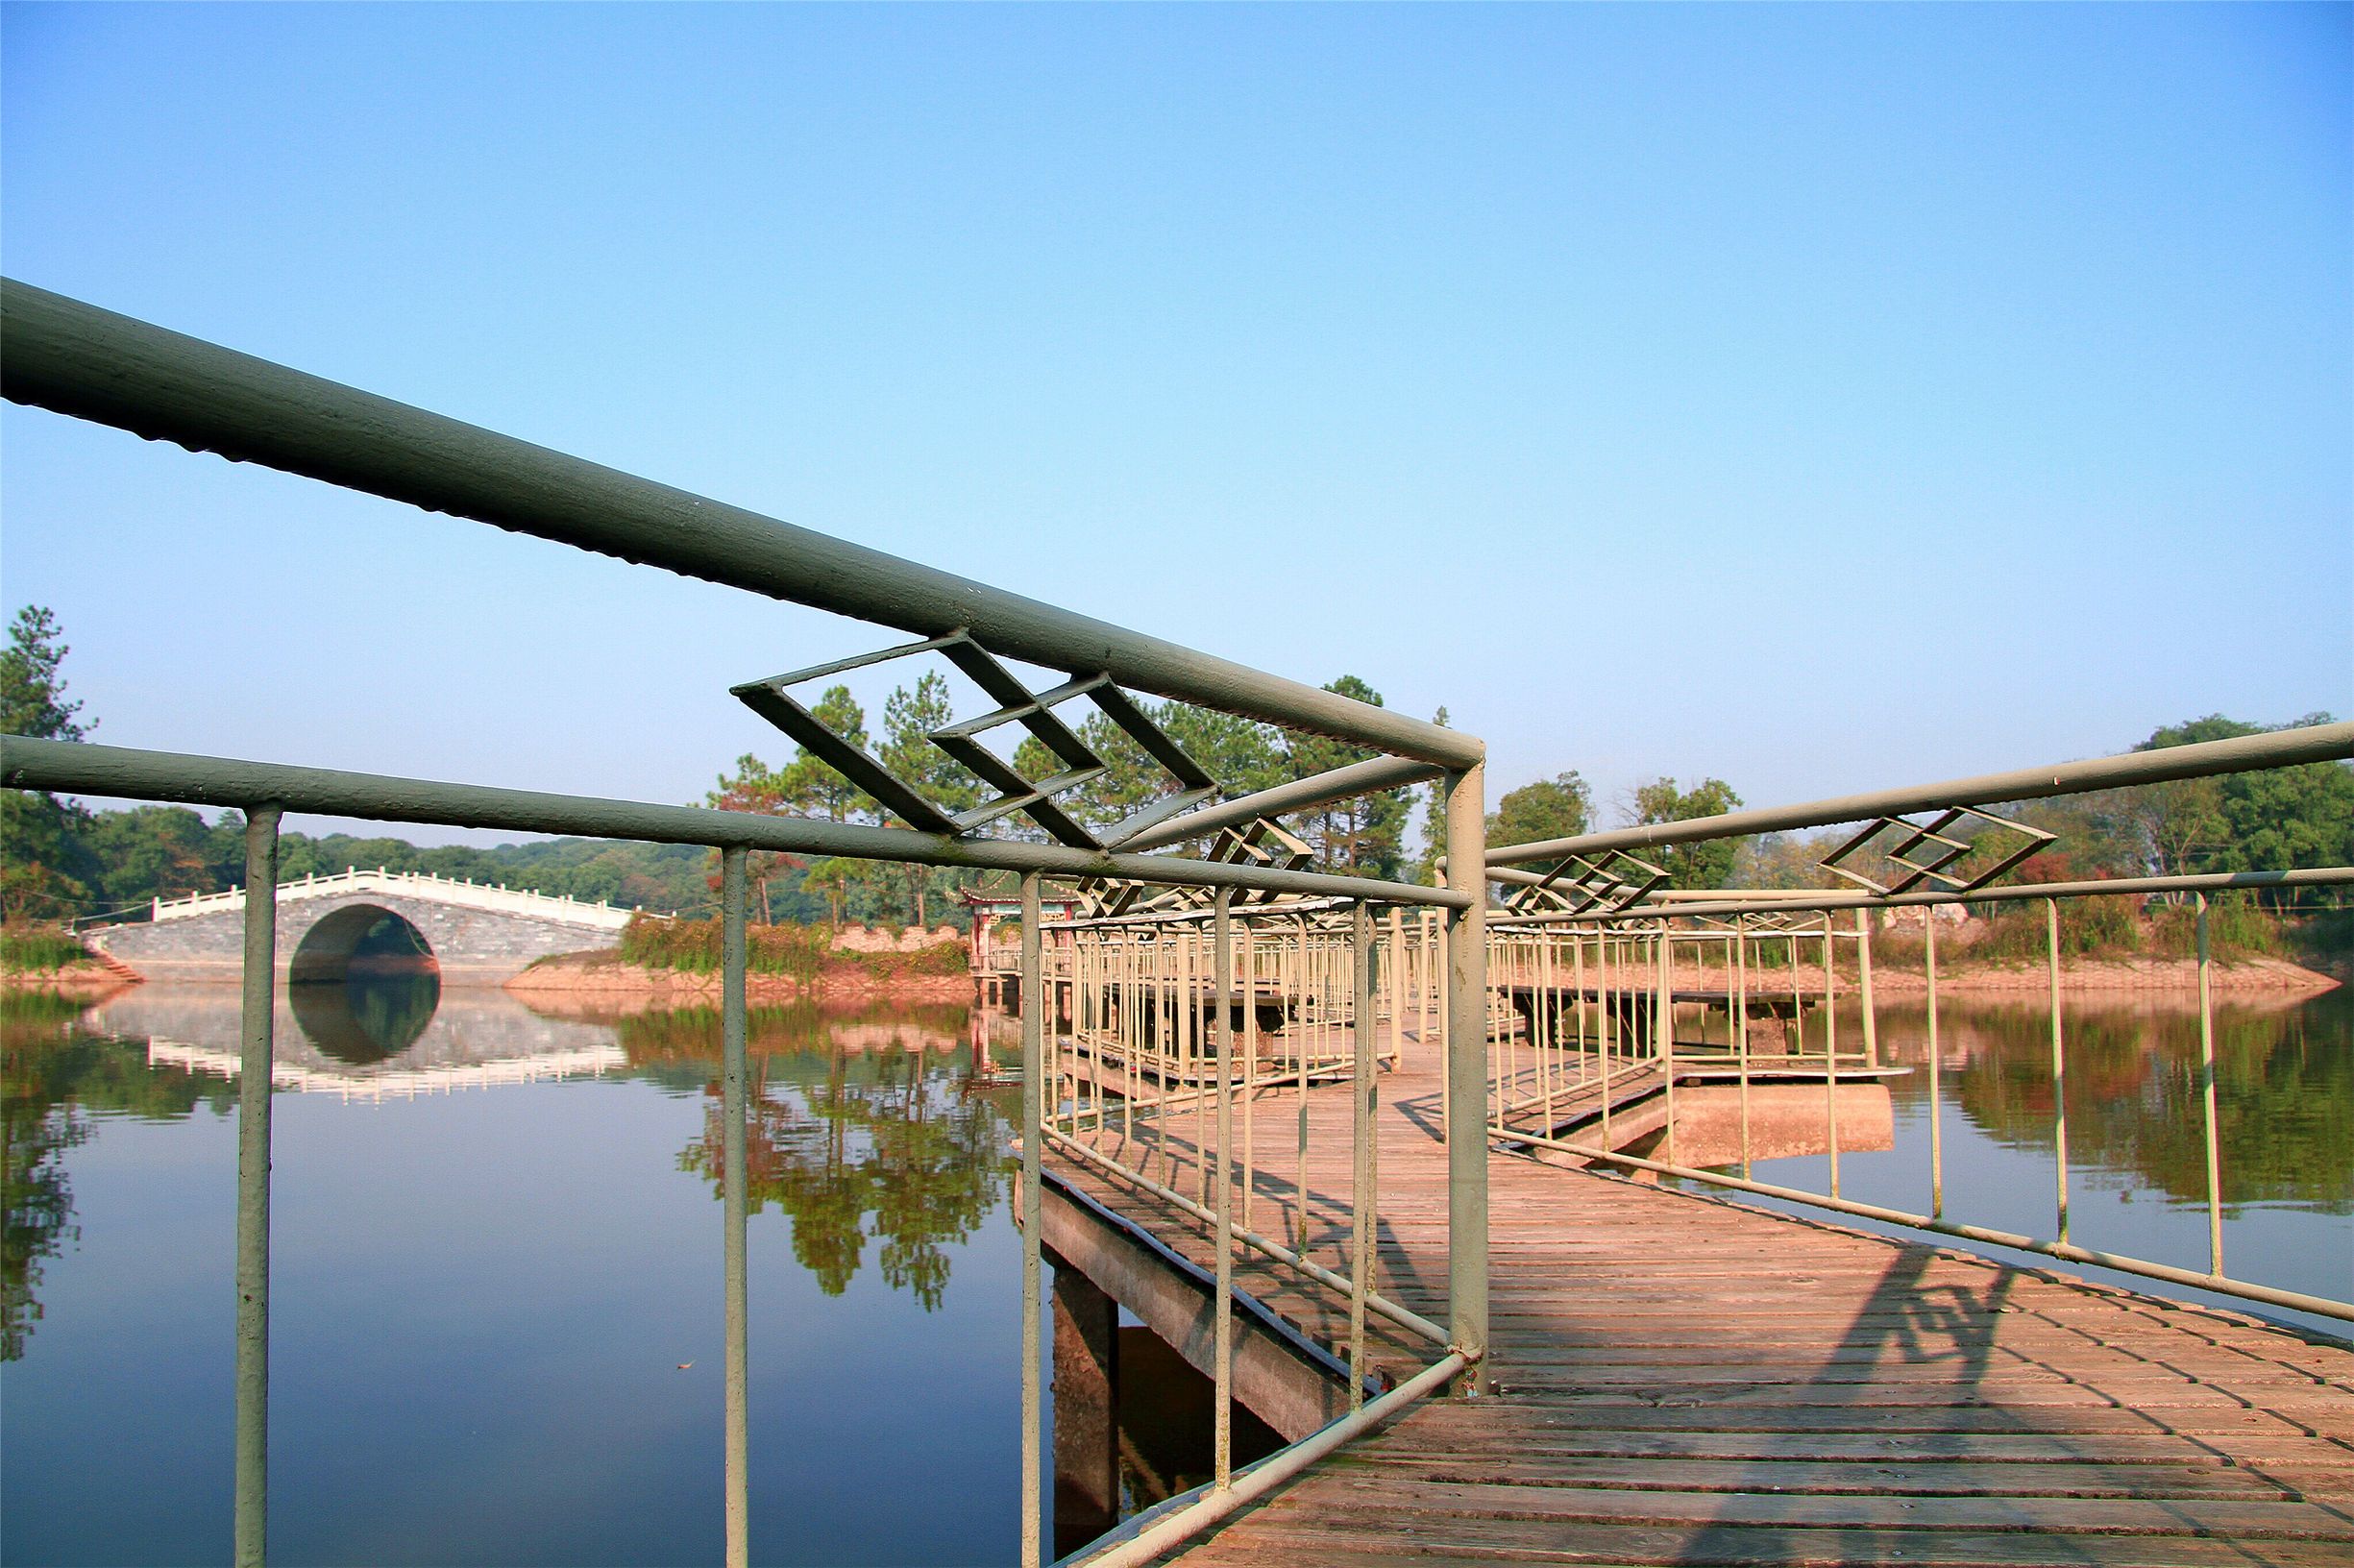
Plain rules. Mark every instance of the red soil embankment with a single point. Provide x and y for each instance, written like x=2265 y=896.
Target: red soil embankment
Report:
x=84 y=978
x=633 y=988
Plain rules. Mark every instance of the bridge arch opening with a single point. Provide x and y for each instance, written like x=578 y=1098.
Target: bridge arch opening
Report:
x=360 y=939
x=363 y=983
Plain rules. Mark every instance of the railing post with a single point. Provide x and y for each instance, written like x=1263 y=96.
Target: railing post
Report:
x=1365 y=1141
x=1663 y=1030
x=736 y=1201
x=1032 y=1219
x=2059 y=1067
x=1740 y=1025
x=1937 y=1131
x=255 y=1070
x=1221 y=985
x=1466 y=1073
x=1830 y=1054
x=2206 y=1090
x=1863 y=983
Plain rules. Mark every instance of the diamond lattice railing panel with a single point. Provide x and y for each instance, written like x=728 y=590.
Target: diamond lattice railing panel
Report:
x=1932 y=851
x=1017 y=705
x=1264 y=843
x=1579 y=886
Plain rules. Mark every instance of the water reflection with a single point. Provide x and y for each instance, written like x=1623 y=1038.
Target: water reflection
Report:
x=2137 y=1166
x=540 y=1195
x=857 y=1132
x=53 y=1078
x=363 y=1019
x=2284 y=1092
x=878 y=1132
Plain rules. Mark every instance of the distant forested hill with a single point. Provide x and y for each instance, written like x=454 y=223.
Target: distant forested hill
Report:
x=169 y=852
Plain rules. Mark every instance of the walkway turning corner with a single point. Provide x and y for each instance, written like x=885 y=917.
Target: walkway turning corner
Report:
x=1683 y=1379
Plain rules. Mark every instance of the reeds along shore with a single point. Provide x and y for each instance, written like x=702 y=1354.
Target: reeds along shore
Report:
x=924 y=976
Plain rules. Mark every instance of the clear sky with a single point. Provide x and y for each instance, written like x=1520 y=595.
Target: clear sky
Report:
x=1816 y=398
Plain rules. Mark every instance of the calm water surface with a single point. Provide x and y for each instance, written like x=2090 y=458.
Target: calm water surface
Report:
x=495 y=1243
x=2136 y=1146
x=497 y=1240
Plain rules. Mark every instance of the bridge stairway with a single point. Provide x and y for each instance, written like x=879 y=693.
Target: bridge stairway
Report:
x=1682 y=1380
x=114 y=966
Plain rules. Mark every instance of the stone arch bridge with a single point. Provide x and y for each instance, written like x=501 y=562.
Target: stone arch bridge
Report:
x=471 y=932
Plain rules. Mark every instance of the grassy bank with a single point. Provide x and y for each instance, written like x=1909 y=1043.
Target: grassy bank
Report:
x=802 y=952
x=28 y=948
x=2112 y=929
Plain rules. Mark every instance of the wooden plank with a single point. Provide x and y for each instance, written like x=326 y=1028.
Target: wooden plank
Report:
x=1828 y=1476
x=1691 y=1380
x=1395 y=1541
x=2235 y=1518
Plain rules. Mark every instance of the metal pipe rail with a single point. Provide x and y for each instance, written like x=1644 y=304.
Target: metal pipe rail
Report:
x=2244 y=753
x=1300 y=795
x=1147 y=1536
x=2322 y=1306
x=1733 y=902
x=1635 y=956
x=81 y=767
x=74 y=358
x=1137 y=1007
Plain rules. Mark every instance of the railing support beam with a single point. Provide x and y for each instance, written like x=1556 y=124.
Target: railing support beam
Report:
x=255 y=1070
x=736 y=1198
x=1466 y=1073
x=1033 y=1216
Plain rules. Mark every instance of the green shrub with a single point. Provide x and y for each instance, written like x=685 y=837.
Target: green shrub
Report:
x=24 y=947
x=2096 y=927
x=801 y=951
x=2326 y=938
x=2235 y=928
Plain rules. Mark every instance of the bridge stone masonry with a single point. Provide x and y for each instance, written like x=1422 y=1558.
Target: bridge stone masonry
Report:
x=476 y=934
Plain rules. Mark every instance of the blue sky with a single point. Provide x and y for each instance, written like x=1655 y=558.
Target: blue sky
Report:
x=1816 y=398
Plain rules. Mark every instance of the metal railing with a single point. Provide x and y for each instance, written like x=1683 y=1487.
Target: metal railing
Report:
x=78 y=361
x=1165 y=1039
x=1606 y=925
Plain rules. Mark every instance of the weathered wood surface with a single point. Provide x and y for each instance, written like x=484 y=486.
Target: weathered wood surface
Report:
x=1681 y=1380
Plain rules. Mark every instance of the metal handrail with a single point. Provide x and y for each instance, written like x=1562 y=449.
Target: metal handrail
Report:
x=2203 y=759
x=77 y=359
x=1652 y=935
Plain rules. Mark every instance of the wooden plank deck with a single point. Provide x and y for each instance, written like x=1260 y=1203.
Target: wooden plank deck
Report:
x=1681 y=1380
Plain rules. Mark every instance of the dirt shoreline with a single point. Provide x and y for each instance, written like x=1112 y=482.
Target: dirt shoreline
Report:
x=635 y=988
x=79 y=979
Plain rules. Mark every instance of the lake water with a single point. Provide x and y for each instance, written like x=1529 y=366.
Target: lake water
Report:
x=493 y=1249
x=2137 y=1151
x=497 y=1240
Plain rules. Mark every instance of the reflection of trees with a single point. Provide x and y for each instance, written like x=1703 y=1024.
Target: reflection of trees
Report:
x=2283 y=1092
x=833 y=1138
x=50 y=1076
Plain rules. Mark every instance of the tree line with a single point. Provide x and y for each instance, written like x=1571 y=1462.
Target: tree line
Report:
x=2283 y=818
x=58 y=860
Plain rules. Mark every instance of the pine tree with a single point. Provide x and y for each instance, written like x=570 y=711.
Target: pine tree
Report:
x=45 y=869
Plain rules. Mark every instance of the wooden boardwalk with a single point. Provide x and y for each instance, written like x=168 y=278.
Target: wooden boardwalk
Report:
x=1682 y=1380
